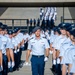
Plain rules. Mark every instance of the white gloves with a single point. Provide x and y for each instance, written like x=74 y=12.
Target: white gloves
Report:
x=15 y=51
x=18 y=50
x=46 y=59
x=1 y=68
x=27 y=64
x=22 y=46
x=30 y=53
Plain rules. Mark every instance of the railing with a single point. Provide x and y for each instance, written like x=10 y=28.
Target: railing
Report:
x=13 y=23
x=67 y=20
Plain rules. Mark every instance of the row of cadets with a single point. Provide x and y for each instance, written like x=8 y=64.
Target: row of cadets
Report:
x=60 y=33
x=68 y=56
x=62 y=47
x=18 y=43
x=11 y=46
x=26 y=38
x=60 y=44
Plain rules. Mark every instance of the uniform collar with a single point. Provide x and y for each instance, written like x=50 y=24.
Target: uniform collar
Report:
x=38 y=39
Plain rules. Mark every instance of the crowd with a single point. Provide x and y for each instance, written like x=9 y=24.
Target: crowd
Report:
x=11 y=46
x=61 y=41
x=58 y=41
x=48 y=13
x=48 y=16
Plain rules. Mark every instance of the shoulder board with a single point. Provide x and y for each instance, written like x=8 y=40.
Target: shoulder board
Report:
x=30 y=39
x=44 y=37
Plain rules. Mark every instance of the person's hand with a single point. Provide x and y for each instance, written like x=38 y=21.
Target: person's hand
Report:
x=30 y=53
x=15 y=51
x=18 y=50
x=26 y=64
x=46 y=59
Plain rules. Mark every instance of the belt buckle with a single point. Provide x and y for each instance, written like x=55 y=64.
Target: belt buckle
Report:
x=38 y=56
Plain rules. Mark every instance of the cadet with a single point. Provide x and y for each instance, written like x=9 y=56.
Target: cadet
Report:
x=10 y=47
x=1 y=57
x=34 y=21
x=38 y=45
x=4 y=41
x=64 y=48
x=71 y=55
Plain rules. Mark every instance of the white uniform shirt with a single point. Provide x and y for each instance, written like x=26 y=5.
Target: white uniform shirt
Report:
x=9 y=44
x=4 y=43
x=38 y=46
x=72 y=57
x=26 y=37
x=55 y=41
x=1 y=44
x=54 y=16
x=17 y=39
x=65 y=46
x=14 y=43
x=52 y=38
x=20 y=36
x=61 y=40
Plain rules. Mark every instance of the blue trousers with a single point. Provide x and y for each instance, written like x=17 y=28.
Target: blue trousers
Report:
x=5 y=65
x=0 y=73
x=37 y=64
x=16 y=63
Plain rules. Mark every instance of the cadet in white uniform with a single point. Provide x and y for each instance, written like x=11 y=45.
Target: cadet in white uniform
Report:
x=71 y=54
x=62 y=38
x=1 y=47
x=65 y=48
x=38 y=60
x=4 y=43
x=10 y=47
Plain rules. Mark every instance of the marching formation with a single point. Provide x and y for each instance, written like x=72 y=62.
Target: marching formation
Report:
x=11 y=46
x=58 y=41
x=48 y=16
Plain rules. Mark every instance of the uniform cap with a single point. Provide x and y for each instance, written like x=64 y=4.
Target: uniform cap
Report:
x=10 y=32
x=1 y=23
x=64 y=25
x=36 y=28
x=72 y=31
x=5 y=27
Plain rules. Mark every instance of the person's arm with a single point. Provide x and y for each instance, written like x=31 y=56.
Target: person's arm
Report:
x=0 y=58
x=28 y=51
x=50 y=46
x=27 y=55
x=47 y=52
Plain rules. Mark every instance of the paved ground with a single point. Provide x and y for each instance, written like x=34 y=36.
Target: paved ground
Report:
x=26 y=70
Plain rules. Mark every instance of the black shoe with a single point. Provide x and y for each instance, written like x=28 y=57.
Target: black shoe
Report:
x=58 y=69
x=53 y=68
x=10 y=69
x=17 y=69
